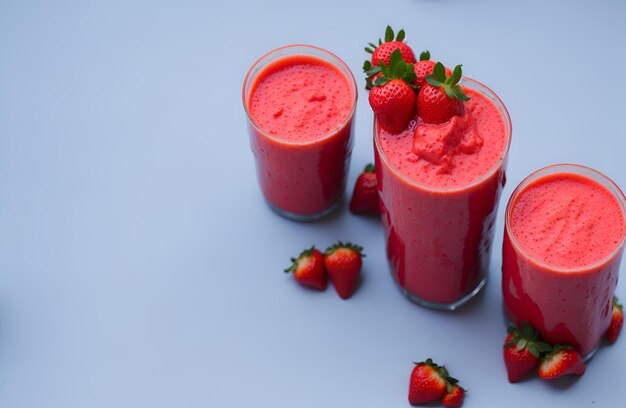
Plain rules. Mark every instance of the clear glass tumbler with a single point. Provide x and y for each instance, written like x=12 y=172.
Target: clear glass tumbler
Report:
x=568 y=304
x=439 y=238
x=303 y=179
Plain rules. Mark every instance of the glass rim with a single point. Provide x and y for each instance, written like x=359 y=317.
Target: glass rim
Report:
x=503 y=157
x=337 y=62
x=580 y=170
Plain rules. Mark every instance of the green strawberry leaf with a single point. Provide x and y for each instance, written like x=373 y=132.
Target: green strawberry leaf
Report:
x=388 y=34
x=457 y=73
x=370 y=168
x=510 y=343
x=380 y=81
x=425 y=56
x=459 y=94
x=397 y=69
x=432 y=81
x=449 y=91
x=395 y=58
x=409 y=75
x=367 y=50
x=439 y=72
x=373 y=71
x=527 y=329
x=543 y=347
x=400 y=36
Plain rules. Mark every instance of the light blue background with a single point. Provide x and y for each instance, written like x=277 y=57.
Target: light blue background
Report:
x=139 y=266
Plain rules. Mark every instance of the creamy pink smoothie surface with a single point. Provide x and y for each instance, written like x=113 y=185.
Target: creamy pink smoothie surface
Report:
x=300 y=98
x=567 y=221
x=453 y=154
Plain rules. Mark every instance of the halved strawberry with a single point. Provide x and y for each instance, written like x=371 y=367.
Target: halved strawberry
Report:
x=392 y=97
x=365 y=194
x=563 y=360
x=343 y=263
x=522 y=349
x=308 y=269
x=441 y=97
x=454 y=397
x=429 y=382
x=617 y=321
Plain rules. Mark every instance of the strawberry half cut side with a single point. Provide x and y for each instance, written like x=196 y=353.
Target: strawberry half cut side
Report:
x=308 y=269
x=563 y=360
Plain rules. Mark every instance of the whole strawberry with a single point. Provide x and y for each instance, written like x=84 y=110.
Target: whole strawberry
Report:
x=429 y=382
x=382 y=51
x=522 y=349
x=617 y=321
x=365 y=194
x=392 y=96
x=343 y=264
x=423 y=68
x=308 y=269
x=563 y=360
x=441 y=97
x=454 y=397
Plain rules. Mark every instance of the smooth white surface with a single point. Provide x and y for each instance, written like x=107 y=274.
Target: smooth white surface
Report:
x=139 y=266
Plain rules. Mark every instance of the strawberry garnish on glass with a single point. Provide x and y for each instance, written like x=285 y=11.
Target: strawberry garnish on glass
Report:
x=425 y=67
x=392 y=96
x=441 y=97
x=382 y=51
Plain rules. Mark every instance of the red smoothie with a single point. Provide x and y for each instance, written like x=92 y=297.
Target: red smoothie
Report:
x=439 y=187
x=300 y=102
x=563 y=244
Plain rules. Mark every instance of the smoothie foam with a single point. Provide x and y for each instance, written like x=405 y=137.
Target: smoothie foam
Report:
x=567 y=221
x=300 y=98
x=452 y=154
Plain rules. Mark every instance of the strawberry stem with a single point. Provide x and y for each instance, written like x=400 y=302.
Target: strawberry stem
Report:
x=449 y=83
x=347 y=245
x=397 y=69
x=294 y=261
x=527 y=338
x=368 y=67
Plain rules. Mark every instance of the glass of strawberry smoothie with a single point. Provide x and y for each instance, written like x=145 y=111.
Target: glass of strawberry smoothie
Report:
x=439 y=187
x=300 y=102
x=563 y=242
